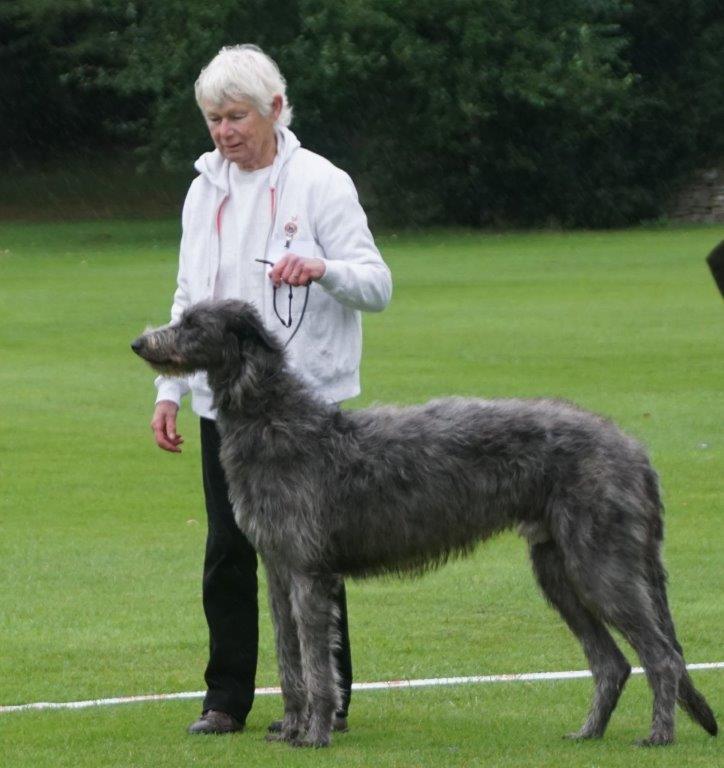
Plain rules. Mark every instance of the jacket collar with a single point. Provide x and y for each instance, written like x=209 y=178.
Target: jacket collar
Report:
x=215 y=167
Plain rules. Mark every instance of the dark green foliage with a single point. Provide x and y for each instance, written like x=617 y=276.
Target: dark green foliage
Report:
x=30 y=87
x=466 y=110
x=677 y=112
x=571 y=112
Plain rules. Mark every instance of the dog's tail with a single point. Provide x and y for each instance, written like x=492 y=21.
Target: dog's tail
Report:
x=690 y=700
x=695 y=705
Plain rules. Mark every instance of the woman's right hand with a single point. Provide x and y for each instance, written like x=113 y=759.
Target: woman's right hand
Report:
x=163 y=425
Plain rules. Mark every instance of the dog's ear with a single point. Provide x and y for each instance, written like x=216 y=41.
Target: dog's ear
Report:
x=247 y=325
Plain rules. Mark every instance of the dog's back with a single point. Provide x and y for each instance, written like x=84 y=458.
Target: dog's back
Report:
x=460 y=470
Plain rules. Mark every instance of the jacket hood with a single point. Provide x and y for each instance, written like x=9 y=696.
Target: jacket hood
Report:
x=215 y=167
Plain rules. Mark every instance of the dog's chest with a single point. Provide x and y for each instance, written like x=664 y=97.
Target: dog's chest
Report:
x=271 y=507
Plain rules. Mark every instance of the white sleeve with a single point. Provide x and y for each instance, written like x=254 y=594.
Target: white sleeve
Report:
x=175 y=387
x=355 y=273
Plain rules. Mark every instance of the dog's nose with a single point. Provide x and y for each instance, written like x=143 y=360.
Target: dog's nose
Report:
x=136 y=346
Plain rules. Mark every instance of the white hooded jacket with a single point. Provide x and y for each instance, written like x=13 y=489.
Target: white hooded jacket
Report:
x=314 y=212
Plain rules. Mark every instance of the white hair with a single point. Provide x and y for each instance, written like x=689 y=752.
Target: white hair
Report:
x=243 y=73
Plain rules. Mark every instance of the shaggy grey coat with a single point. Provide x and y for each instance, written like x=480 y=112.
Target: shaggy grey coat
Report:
x=323 y=493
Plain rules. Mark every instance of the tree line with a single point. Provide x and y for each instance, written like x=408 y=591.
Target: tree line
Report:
x=472 y=112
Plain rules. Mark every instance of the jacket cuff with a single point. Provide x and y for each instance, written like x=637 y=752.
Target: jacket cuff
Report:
x=170 y=388
x=333 y=275
x=364 y=287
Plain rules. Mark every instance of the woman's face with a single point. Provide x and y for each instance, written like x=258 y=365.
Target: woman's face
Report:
x=242 y=134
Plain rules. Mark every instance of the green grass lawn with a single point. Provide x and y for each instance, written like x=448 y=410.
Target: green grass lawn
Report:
x=101 y=534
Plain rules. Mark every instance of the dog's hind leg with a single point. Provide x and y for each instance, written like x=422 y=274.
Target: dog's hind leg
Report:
x=662 y=663
x=608 y=665
x=286 y=633
x=618 y=589
x=315 y=614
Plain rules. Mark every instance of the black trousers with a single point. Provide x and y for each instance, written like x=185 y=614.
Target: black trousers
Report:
x=230 y=599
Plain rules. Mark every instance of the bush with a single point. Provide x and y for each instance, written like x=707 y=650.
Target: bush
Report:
x=573 y=112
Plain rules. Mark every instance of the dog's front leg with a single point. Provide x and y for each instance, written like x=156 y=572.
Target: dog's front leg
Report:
x=314 y=613
x=294 y=692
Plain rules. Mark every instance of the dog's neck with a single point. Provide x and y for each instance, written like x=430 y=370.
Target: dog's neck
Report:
x=252 y=391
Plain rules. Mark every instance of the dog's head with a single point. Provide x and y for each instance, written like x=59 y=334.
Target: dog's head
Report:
x=208 y=336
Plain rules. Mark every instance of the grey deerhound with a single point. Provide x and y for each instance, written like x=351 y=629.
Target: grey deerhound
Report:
x=323 y=493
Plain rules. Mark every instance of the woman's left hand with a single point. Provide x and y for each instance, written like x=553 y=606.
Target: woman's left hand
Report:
x=296 y=270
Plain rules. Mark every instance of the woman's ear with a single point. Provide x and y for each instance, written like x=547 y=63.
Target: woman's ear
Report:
x=277 y=104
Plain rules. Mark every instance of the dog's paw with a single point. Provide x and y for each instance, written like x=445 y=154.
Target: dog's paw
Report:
x=292 y=727
x=274 y=737
x=582 y=735
x=310 y=741
x=288 y=734
x=655 y=740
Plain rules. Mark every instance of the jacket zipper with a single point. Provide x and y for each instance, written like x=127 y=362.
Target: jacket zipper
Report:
x=219 y=211
x=273 y=201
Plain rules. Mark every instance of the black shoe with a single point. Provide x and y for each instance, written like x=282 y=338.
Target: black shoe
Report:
x=213 y=721
x=339 y=725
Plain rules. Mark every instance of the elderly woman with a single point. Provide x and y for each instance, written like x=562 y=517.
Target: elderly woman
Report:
x=264 y=214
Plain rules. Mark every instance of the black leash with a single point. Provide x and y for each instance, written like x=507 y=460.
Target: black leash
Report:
x=287 y=323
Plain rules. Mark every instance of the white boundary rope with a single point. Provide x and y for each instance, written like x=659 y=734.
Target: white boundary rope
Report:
x=375 y=686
